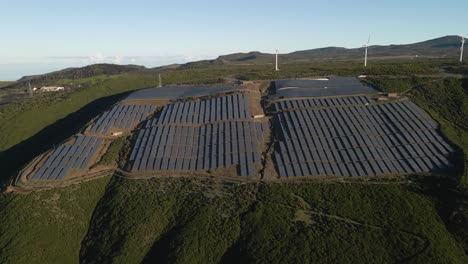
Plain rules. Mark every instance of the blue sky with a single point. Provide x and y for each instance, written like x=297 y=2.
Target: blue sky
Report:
x=41 y=36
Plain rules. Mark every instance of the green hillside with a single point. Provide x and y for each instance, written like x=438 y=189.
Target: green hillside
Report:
x=191 y=221
x=205 y=220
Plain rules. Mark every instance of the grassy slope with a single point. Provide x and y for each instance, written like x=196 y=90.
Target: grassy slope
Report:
x=5 y=83
x=186 y=221
x=47 y=226
x=117 y=152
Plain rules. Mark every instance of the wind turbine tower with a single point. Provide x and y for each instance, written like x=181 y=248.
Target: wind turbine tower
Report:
x=461 y=49
x=276 y=66
x=365 y=55
x=30 y=90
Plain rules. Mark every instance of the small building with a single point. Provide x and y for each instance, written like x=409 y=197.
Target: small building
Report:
x=51 y=88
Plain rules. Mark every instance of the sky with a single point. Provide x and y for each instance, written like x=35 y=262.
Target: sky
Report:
x=47 y=35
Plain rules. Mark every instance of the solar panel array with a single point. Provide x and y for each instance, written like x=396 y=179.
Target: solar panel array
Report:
x=321 y=83
x=322 y=102
x=66 y=157
x=318 y=88
x=204 y=147
x=180 y=92
x=121 y=117
x=201 y=135
x=230 y=107
x=390 y=138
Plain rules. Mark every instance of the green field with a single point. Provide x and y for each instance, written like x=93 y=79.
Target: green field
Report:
x=5 y=83
x=182 y=220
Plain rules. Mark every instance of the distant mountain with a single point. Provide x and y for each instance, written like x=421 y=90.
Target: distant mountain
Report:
x=443 y=47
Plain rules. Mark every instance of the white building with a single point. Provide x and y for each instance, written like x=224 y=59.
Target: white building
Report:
x=51 y=88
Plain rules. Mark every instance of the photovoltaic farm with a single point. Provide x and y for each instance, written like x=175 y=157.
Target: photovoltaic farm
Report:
x=355 y=136
x=199 y=136
x=121 y=117
x=326 y=127
x=66 y=157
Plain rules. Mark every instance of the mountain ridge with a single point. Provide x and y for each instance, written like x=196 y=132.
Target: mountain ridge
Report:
x=442 y=47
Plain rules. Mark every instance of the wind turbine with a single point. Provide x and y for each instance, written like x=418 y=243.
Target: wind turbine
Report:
x=461 y=49
x=365 y=56
x=276 y=66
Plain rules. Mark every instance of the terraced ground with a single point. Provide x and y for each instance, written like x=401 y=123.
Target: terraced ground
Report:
x=204 y=220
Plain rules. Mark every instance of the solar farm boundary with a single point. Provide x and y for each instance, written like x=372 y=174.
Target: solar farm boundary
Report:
x=195 y=174
x=48 y=185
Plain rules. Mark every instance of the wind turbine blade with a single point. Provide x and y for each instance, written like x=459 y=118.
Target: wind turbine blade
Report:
x=368 y=40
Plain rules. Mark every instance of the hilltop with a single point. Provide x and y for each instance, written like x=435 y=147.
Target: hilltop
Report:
x=443 y=47
x=76 y=73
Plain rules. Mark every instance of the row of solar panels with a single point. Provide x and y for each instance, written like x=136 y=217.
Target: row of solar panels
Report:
x=317 y=84
x=180 y=92
x=322 y=102
x=294 y=151
x=302 y=92
x=357 y=136
x=363 y=140
x=122 y=117
x=181 y=147
x=377 y=120
x=207 y=111
x=319 y=88
x=363 y=168
x=66 y=157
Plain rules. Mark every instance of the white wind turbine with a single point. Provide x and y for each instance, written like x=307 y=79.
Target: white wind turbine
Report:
x=276 y=65
x=366 y=46
x=461 y=49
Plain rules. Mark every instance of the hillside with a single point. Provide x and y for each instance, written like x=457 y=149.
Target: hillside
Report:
x=76 y=73
x=205 y=220
x=444 y=47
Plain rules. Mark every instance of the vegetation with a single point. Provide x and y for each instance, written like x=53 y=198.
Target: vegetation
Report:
x=5 y=83
x=59 y=77
x=191 y=221
x=47 y=226
x=117 y=152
